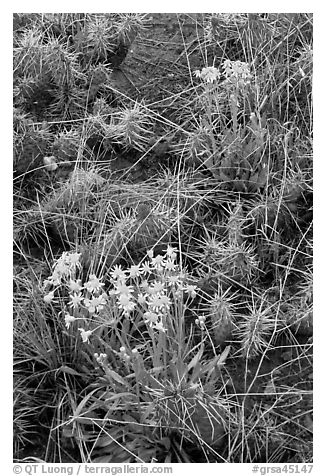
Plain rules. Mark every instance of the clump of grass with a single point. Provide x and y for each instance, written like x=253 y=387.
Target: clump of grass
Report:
x=44 y=359
x=25 y=412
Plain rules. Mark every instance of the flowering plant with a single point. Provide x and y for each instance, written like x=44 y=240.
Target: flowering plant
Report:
x=209 y=74
x=151 y=292
x=153 y=288
x=84 y=300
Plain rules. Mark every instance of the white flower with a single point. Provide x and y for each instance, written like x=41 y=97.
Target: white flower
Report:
x=144 y=285
x=171 y=252
x=141 y=299
x=69 y=320
x=122 y=288
x=237 y=71
x=75 y=286
x=89 y=305
x=118 y=273
x=55 y=278
x=95 y=304
x=158 y=262
x=156 y=287
x=174 y=279
x=49 y=297
x=146 y=268
x=159 y=302
x=100 y=301
x=191 y=290
x=134 y=271
x=151 y=318
x=126 y=304
x=208 y=74
x=75 y=300
x=93 y=284
x=169 y=265
x=85 y=335
x=65 y=265
x=73 y=259
x=60 y=267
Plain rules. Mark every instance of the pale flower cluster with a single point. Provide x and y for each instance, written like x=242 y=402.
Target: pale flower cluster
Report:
x=64 y=268
x=210 y=74
x=83 y=299
x=151 y=288
x=235 y=72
